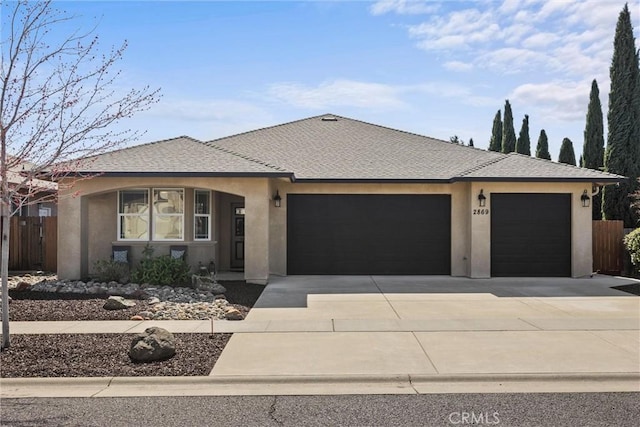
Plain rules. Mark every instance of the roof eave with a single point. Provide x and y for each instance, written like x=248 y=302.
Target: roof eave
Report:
x=119 y=174
x=600 y=180
x=370 y=181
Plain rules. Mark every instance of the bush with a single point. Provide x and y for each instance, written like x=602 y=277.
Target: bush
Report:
x=632 y=243
x=108 y=270
x=162 y=271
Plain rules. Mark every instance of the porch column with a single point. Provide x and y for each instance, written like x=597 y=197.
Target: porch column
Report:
x=256 y=263
x=72 y=236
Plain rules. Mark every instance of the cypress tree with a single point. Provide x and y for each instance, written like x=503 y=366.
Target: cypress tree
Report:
x=508 y=133
x=542 y=150
x=495 y=144
x=622 y=155
x=593 y=149
x=566 y=153
x=523 y=144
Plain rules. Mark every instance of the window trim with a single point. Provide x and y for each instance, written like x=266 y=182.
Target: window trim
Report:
x=196 y=215
x=120 y=215
x=155 y=215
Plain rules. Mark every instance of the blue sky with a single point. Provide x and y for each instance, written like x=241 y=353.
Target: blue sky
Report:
x=434 y=68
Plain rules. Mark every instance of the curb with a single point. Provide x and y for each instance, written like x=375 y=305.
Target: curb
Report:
x=317 y=384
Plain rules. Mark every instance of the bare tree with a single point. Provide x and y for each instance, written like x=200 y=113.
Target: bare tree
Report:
x=58 y=102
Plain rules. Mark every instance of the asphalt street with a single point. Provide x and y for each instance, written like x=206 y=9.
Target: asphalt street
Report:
x=556 y=409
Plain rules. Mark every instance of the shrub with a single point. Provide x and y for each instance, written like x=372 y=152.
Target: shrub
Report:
x=162 y=271
x=632 y=243
x=108 y=270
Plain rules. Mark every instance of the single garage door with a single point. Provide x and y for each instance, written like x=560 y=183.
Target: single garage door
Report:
x=530 y=235
x=368 y=234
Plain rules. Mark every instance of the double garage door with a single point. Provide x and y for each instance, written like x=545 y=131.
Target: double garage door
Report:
x=368 y=234
x=411 y=234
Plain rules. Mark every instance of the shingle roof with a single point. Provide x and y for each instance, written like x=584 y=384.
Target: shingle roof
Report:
x=331 y=147
x=334 y=148
x=514 y=166
x=182 y=155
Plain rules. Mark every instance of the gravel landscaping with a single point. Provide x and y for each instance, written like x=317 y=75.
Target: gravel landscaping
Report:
x=95 y=355
x=105 y=355
x=37 y=305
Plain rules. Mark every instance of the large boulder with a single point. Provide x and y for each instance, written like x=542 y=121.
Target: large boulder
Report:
x=206 y=283
x=152 y=345
x=232 y=313
x=117 y=303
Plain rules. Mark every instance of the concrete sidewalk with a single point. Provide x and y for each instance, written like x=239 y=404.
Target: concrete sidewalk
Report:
x=398 y=335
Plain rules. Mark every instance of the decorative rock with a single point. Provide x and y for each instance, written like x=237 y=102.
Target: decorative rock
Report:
x=23 y=286
x=152 y=345
x=232 y=313
x=117 y=303
x=164 y=302
x=205 y=283
x=137 y=317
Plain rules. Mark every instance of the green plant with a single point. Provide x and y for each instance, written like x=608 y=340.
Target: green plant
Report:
x=632 y=243
x=162 y=271
x=108 y=270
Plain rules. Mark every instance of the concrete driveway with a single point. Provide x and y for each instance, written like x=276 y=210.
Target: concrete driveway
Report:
x=435 y=326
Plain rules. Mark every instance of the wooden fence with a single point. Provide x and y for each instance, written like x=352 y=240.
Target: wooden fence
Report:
x=608 y=250
x=33 y=243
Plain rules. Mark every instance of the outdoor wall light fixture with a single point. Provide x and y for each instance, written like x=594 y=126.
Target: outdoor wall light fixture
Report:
x=586 y=200
x=482 y=199
x=277 y=200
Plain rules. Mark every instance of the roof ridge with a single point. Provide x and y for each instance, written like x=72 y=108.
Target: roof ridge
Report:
x=212 y=141
x=485 y=164
x=393 y=129
x=251 y=159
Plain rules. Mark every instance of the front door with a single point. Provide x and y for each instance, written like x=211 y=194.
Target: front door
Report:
x=237 y=236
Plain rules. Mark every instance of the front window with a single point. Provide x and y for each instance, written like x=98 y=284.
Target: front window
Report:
x=133 y=215
x=168 y=214
x=202 y=215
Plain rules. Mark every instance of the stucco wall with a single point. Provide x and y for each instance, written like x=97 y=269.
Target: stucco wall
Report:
x=81 y=242
x=87 y=226
x=581 y=245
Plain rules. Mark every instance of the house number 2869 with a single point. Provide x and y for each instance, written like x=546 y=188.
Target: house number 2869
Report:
x=481 y=211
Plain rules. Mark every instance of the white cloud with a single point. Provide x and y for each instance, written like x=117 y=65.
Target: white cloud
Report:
x=367 y=95
x=567 y=37
x=443 y=43
x=540 y=40
x=458 y=66
x=509 y=6
x=204 y=111
x=403 y=7
x=555 y=101
x=511 y=60
x=337 y=93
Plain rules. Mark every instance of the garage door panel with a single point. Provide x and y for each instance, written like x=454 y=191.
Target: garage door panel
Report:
x=530 y=235
x=368 y=234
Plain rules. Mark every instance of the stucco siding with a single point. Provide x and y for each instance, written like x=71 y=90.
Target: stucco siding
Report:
x=88 y=222
x=581 y=250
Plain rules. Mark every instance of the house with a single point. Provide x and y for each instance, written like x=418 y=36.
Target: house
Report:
x=36 y=197
x=333 y=195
